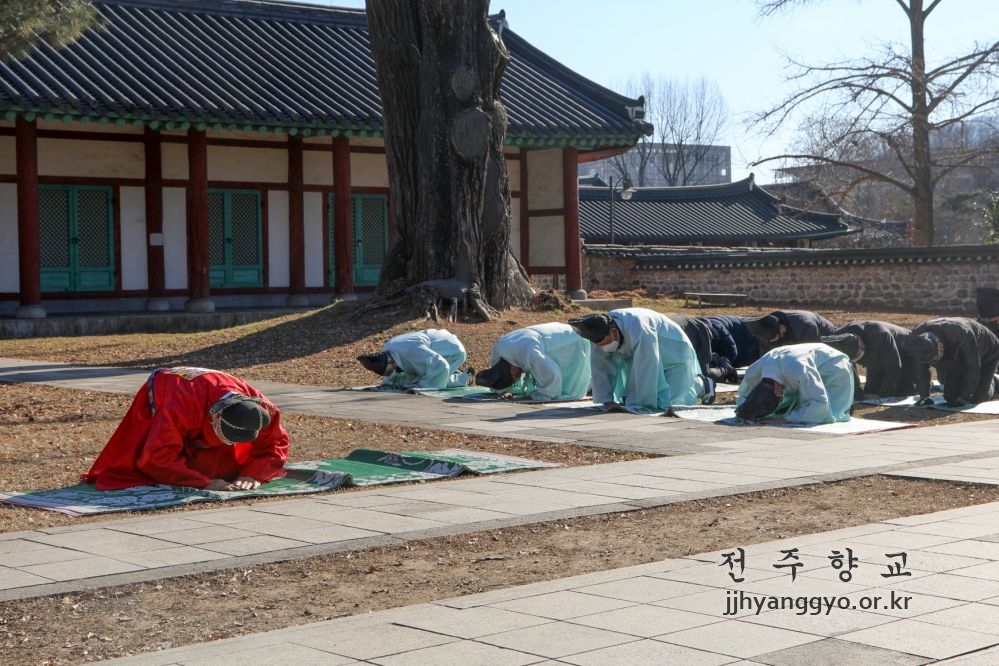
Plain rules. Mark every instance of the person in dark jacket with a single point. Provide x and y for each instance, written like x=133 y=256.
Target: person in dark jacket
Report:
x=875 y=345
x=700 y=338
x=965 y=354
x=733 y=345
x=789 y=327
x=987 y=300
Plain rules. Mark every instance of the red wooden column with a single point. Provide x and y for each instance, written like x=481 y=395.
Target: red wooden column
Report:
x=296 y=223
x=197 y=223
x=343 y=233
x=570 y=201
x=155 y=266
x=28 y=241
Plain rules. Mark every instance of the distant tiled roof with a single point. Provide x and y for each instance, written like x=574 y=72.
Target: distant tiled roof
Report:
x=736 y=212
x=264 y=65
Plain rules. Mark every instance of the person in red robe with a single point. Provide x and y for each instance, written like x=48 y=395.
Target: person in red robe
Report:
x=194 y=427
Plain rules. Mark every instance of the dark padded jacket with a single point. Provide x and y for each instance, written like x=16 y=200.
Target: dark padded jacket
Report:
x=969 y=361
x=700 y=338
x=731 y=338
x=803 y=326
x=889 y=372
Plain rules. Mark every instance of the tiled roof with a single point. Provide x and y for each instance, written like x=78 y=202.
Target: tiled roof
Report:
x=240 y=64
x=736 y=212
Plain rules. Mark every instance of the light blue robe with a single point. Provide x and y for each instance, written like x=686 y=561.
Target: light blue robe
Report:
x=426 y=359
x=555 y=361
x=817 y=379
x=654 y=367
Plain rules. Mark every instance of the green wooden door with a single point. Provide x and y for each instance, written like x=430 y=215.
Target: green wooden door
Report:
x=370 y=237
x=235 y=246
x=76 y=237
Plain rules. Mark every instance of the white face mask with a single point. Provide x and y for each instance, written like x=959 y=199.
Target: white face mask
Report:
x=610 y=347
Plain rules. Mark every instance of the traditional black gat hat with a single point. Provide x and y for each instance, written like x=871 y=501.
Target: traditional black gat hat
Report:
x=376 y=362
x=497 y=377
x=761 y=401
x=593 y=327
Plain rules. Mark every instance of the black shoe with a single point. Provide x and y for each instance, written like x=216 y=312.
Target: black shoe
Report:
x=709 y=390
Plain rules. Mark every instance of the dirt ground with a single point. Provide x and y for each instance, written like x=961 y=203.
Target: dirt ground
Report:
x=48 y=436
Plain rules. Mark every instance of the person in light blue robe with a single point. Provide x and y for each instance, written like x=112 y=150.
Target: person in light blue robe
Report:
x=544 y=362
x=429 y=359
x=808 y=383
x=641 y=359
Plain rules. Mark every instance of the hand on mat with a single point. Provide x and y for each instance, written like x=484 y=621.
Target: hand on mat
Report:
x=924 y=402
x=219 y=484
x=245 y=483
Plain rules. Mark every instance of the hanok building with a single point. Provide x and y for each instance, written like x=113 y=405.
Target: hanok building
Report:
x=194 y=152
x=735 y=214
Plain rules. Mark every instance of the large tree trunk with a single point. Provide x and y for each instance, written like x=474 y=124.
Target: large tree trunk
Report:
x=439 y=67
x=922 y=175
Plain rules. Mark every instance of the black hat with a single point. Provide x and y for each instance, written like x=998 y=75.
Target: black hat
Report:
x=376 y=363
x=593 y=327
x=767 y=327
x=920 y=348
x=241 y=418
x=848 y=343
x=497 y=377
x=761 y=401
x=987 y=299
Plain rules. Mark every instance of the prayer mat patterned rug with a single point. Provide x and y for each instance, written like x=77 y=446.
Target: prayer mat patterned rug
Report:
x=362 y=467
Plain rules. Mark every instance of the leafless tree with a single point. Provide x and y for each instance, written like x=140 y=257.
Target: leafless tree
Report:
x=439 y=67
x=688 y=117
x=895 y=101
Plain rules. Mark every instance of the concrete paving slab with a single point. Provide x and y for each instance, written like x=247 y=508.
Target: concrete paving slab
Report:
x=841 y=653
x=648 y=653
x=738 y=639
x=922 y=639
x=557 y=640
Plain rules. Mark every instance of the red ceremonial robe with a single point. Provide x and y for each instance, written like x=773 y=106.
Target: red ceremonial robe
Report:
x=175 y=443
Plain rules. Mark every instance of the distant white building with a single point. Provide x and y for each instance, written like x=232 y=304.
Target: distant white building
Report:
x=665 y=165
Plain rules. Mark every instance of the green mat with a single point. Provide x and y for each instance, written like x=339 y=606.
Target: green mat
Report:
x=362 y=467
x=457 y=392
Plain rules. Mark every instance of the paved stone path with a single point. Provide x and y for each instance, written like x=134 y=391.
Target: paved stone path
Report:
x=689 y=611
x=708 y=460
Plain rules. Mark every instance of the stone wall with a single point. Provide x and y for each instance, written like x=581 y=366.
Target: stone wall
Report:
x=925 y=279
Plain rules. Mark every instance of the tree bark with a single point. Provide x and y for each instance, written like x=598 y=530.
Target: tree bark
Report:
x=439 y=67
x=922 y=175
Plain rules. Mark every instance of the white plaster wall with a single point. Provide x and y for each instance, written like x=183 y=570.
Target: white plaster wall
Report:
x=547 y=241
x=175 y=237
x=9 y=279
x=315 y=267
x=132 y=212
x=515 y=227
x=368 y=170
x=104 y=159
x=248 y=164
x=8 y=157
x=174 y=161
x=544 y=179
x=317 y=167
x=278 y=242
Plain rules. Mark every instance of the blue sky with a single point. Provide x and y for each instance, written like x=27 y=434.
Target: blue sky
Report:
x=725 y=42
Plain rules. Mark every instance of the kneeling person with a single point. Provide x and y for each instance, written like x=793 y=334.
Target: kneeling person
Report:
x=808 y=383
x=642 y=358
x=423 y=359
x=194 y=427
x=546 y=362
